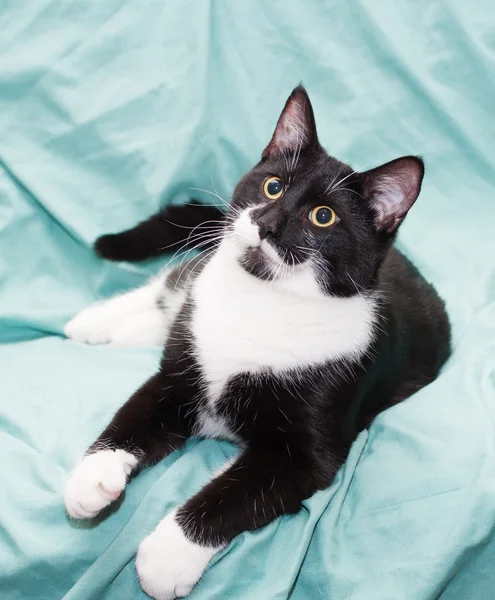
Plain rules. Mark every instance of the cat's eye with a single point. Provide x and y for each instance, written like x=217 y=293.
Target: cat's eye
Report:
x=322 y=216
x=273 y=188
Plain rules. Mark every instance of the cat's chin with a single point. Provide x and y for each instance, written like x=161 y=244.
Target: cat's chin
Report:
x=255 y=262
x=264 y=262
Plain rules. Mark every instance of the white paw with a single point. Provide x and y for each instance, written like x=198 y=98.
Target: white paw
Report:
x=168 y=564
x=92 y=325
x=97 y=481
x=131 y=319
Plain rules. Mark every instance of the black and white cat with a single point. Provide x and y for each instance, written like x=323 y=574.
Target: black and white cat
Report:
x=300 y=325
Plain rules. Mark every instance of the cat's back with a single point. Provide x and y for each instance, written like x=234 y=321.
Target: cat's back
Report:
x=412 y=341
x=416 y=340
x=411 y=296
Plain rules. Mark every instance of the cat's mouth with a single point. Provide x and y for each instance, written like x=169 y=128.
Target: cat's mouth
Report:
x=255 y=262
x=262 y=257
x=264 y=260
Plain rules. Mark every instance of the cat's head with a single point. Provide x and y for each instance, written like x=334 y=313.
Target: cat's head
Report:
x=301 y=209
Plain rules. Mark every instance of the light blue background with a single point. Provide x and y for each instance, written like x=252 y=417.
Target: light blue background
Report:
x=111 y=108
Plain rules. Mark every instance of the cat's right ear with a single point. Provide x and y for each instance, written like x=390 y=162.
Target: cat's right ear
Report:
x=296 y=128
x=392 y=189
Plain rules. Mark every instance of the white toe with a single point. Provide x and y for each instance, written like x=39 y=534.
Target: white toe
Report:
x=97 y=481
x=91 y=326
x=168 y=563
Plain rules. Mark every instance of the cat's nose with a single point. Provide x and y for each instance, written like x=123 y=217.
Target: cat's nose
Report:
x=265 y=230
x=267 y=225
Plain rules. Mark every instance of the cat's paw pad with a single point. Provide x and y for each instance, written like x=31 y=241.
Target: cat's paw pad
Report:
x=91 y=326
x=168 y=563
x=97 y=481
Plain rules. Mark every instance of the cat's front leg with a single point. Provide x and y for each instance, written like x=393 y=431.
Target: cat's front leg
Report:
x=168 y=563
x=147 y=428
x=130 y=319
x=260 y=486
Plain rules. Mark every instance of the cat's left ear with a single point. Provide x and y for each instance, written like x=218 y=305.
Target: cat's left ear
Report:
x=392 y=189
x=296 y=128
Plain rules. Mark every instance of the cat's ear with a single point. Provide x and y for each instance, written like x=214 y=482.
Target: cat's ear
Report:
x=296 y=128
x=392 y=189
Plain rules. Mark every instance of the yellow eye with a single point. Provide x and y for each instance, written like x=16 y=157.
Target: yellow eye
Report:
x=322 y=216
x=273 y=188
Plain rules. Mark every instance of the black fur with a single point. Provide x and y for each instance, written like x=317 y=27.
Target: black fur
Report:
x=296 y=429
x=172 y=228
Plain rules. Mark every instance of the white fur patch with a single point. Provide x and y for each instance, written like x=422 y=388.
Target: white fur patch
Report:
x=173 y=301
x=246 y=230
x=214 y=426
x=243 y=324
x=131 y=319
x=168 y=563
x=270 y=251
x=248 y=235
x=113 y=321
x=144 y=329
x=97 y=481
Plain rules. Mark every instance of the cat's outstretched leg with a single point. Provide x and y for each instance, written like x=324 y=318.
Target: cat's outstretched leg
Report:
x=147 y=428
x=131 y=319
x=142 y=317
x=258 y=487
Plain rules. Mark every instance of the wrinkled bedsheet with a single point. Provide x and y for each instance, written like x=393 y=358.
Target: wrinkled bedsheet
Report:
x=108 y=110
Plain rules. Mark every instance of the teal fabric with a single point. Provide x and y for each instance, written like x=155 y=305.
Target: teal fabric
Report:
x=109 y=109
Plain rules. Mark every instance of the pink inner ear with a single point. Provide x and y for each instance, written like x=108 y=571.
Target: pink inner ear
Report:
x=391 y=198
x=292 y=128
x=295 y=127
x=393 y=189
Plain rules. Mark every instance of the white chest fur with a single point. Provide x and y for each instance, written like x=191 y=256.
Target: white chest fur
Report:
x=243 y=324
